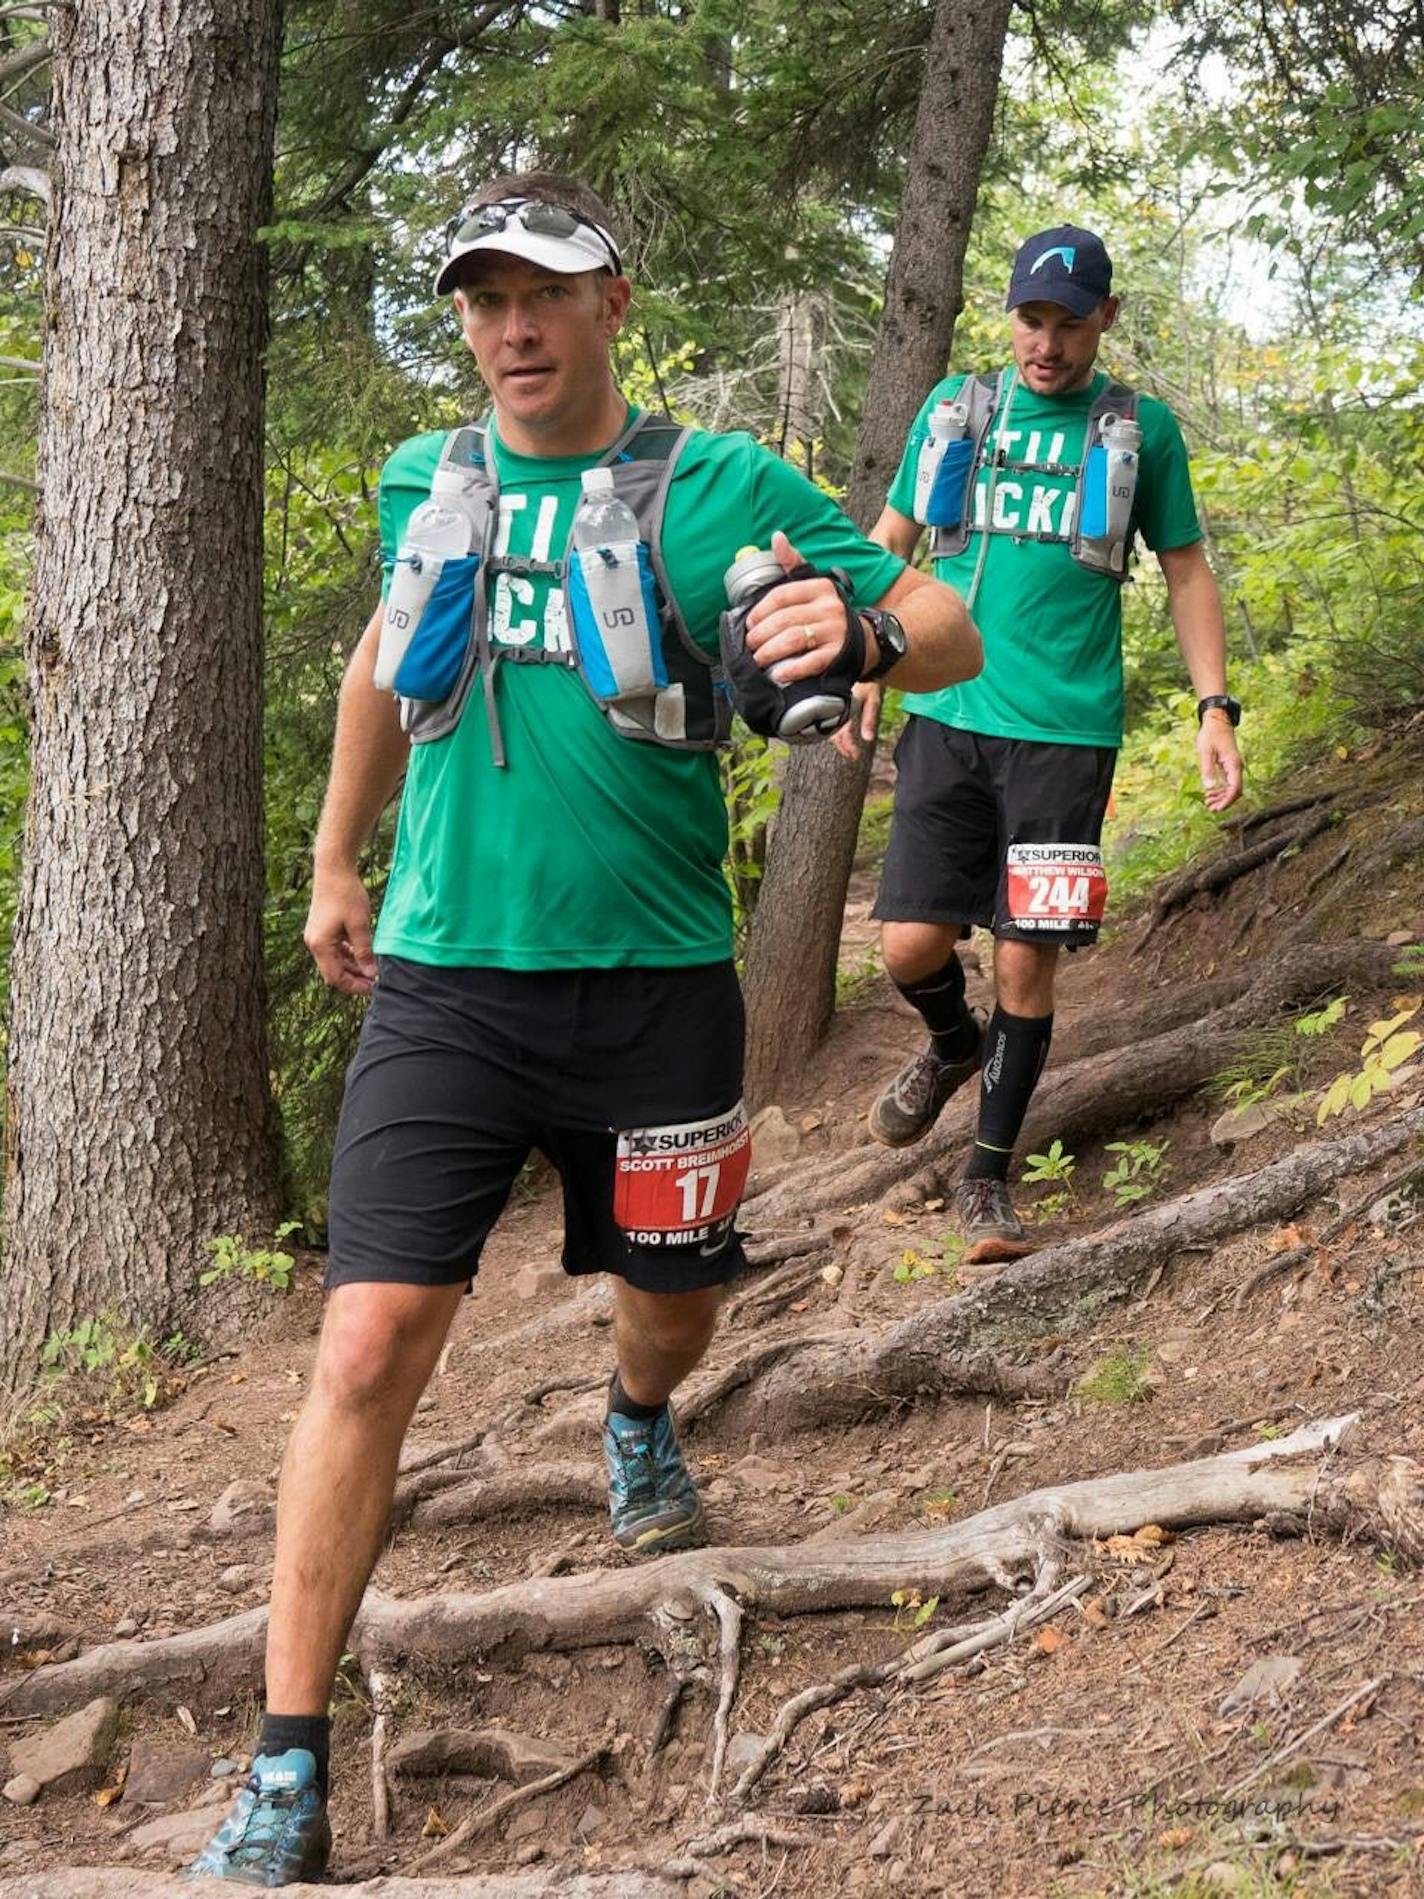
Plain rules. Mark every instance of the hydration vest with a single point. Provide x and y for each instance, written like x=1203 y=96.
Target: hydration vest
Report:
x=1097 y=552
x=692 y=712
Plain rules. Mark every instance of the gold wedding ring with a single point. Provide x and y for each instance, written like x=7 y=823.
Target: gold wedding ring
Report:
x=810 y=639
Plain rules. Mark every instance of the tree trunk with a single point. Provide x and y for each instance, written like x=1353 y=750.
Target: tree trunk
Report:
x=140 y=1120
x=791 y=958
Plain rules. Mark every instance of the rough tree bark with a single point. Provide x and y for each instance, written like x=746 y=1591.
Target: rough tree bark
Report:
x=791 y=957
x=139 y=1113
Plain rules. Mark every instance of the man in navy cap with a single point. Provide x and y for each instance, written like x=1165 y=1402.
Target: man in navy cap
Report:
x=1033 y=482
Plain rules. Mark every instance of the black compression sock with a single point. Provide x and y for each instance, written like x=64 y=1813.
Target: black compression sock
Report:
x=1015 y=1049
x=940 y=1000
x=626 y=1407
x=311 y=1731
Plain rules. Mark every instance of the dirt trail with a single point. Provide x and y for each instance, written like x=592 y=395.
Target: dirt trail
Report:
x=1095 y=1730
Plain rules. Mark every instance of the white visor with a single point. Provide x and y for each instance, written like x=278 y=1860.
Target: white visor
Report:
x=587 y=247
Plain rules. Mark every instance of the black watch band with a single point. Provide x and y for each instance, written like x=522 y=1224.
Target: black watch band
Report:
x=1224 y=702
x=890 y=642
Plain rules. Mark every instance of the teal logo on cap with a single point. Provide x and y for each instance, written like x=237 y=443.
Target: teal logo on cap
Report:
x=1066 y=251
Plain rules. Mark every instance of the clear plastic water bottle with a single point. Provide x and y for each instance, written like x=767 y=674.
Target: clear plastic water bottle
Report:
x=436 y=531
x=1122 y=438
x=947 y=421
x=618 y=646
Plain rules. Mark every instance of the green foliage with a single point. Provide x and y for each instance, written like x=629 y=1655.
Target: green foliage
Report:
x=1139 y=1171
x=911 y=1611
x=1319 y=1022
x=1117 y=1378
x=1054 y=1165
x=913 y=1266
x=117 y=1367
x=259 y=1266
x=1388 y=1046
x=1262 y=1062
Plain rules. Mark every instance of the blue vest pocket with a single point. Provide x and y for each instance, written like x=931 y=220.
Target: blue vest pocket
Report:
x=616 y=626
x=1093 y=522
x=432 y=660
x=945 y=507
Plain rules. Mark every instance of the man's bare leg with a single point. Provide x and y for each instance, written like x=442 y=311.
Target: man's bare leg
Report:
x=660 y=1336
x=652 y=1499
x=379 y=1344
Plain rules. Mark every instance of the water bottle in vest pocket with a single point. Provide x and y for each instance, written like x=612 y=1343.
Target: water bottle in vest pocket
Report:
x=616 y=627
x=945 y=507
x=428 y=625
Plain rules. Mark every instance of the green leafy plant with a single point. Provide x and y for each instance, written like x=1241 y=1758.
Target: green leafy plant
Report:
x=910 y=1611
x=1388 y=1046
x=1321 y=1021
x=1054 y=1165
x=1411 y=961
x=1117 y=1378
x=262 y=1266
x=127 y=1363
x=1138 y=1172
x=1261 y=1064
x=913 y=1266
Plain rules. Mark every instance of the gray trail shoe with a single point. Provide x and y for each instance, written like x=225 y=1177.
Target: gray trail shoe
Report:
x=912 y=1103
x=993 y=1232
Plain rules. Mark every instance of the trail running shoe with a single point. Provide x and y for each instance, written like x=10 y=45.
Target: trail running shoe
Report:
x=993 y=1232
x=912 y=1103
x=652 y=1501
x=276 y=1832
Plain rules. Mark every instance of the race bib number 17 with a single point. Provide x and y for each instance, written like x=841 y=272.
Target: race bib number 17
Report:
x=1056 y=886
x=680 y=1185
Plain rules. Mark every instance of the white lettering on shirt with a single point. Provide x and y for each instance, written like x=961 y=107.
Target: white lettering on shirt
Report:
x=510 y=588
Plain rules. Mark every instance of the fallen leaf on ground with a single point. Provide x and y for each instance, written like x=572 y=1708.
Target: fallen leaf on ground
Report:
x=1049 y=1640
x=1175 y=1836
x=891 y=1218
x=436 y=1826
x=1131 y=1549
x=1284 y=1238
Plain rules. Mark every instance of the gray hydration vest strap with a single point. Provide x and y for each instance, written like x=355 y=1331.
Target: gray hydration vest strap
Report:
x=983 y=393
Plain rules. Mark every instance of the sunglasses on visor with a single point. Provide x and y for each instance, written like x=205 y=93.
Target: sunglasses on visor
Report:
x=543 y=220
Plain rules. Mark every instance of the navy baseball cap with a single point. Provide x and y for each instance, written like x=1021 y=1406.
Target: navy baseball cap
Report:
x=1065 y=265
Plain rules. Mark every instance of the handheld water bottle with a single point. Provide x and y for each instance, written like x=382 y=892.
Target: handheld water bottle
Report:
x=615 y=612
x=808 y=709
x=435 y=533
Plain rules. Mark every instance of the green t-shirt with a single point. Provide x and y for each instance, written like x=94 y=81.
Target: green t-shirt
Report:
x=586 y=850
x=1052 y=629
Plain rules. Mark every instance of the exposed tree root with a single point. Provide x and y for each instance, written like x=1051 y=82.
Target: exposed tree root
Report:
x=1253 y=820
x=1218 y=872
x=1402 y=845
x=1277 y=1263
x=491 y=1816
x=515 y=1490
x=810 y=1387
x=1100 y=1094
x=663 y=1603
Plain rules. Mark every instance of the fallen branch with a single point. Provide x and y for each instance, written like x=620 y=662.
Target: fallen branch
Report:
x=729 y=1617
x=735 y=1833
x=657 y=1603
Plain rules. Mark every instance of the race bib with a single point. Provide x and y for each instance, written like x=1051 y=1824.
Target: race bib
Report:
x=1056 y=886
x=681 y=1185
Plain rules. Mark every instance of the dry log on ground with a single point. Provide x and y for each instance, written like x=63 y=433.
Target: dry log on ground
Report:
x=925 y=1352
x=670 y=1604
x=1102 y=1094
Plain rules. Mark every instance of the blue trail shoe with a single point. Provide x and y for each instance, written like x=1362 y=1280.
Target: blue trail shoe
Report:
x=652 y=1500
x=276 y=1832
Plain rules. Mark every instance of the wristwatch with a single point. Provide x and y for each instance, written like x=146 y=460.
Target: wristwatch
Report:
x=890 y=641
x=1231 y=707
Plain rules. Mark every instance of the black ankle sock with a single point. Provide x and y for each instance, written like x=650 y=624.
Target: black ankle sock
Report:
x=311 y=1731
x=940 y=1000
x=1015 y=1049
x=626 y=1407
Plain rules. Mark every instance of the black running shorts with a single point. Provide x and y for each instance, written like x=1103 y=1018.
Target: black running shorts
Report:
x=629 y=1080
x=1001 y=832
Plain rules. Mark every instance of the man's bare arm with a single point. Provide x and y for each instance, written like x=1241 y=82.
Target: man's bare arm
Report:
x=367 y=762
x=1201 y=634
